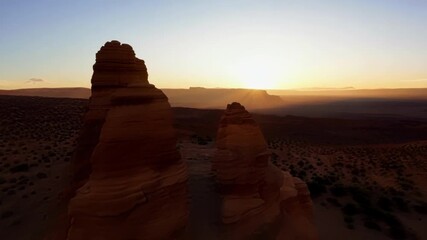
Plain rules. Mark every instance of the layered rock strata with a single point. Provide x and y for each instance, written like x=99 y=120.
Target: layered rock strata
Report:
x=255 y=193
x=130 y=177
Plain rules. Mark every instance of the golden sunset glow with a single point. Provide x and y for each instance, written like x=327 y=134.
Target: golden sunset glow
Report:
x=257 y=73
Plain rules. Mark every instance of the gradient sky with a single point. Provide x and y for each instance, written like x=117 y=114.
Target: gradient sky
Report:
x=221 y=43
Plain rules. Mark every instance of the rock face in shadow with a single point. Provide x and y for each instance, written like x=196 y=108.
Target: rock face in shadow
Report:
x=130 y=177
x=258 y=199
x=116 y=69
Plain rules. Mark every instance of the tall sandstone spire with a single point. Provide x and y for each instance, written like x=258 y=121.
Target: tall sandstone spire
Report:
x=257 y=197
x=130 y=177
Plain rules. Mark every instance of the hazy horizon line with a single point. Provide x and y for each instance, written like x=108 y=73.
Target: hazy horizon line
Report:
x=267 y=89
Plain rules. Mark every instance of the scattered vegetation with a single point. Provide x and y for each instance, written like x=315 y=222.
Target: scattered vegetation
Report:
x=371 y=184
x=36 y=134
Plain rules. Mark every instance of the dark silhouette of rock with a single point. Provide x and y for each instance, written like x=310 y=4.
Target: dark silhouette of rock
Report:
x=256 y=193
x=130 y=177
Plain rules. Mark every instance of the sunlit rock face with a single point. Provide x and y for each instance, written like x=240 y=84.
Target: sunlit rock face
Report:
x=130 y=177
x=257 y=197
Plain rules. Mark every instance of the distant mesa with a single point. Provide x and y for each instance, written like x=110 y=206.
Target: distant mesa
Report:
x=219 y=97
x=194 y=97
x=325 y=89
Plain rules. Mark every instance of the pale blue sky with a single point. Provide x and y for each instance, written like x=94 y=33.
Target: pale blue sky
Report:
x=222 y=43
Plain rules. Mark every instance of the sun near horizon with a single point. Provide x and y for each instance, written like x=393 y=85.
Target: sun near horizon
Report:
x=257 y=73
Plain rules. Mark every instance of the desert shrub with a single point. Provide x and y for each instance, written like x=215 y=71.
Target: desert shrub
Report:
x=371 y=225
x=274 y=157
x=392 y=221
x=355 y=172
x=331 y=178
x=350 y=226
x=401 y=204
x=20 y=168
x=406 y=186
x=355 y=179
x=394 y=192
x=373 y=212
x=41 y=175
x=293 y=172
x=6 y=214
x=302 y=174
x=398 y=233
x=420 y=208
x=360 y=197
x=316 y=189
x=334 y=202
x=348 y=219
x=338 y=190
x=350 y=209
x=385 y=204
x=321 y=180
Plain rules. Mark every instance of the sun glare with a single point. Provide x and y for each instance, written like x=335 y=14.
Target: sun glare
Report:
x=257 y=74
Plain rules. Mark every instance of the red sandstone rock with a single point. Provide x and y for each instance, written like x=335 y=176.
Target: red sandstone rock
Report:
x=254 y=192
x=131 y=179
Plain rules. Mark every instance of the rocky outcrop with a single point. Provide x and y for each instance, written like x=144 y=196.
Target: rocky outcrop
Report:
x=130 y=177
x=257 y=197
x=116 y=68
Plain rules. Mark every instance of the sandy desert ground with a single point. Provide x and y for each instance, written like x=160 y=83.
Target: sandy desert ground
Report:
x=368 y=177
